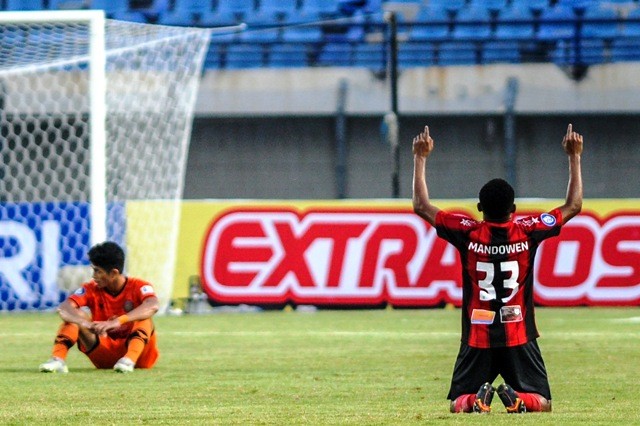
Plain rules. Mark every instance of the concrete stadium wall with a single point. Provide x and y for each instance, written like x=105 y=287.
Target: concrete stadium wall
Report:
x=271 y=133
x=293 y=157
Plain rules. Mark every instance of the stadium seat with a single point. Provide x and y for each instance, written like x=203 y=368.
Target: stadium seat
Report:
x=451 y=6
x=535 y=6
x=178 y=18
x=631 y=27
x=566 y=53
x=501 y=51
x=370 y=55
x=336 y=54
x=213 y=58
x=244 y=56
x=430 y=24
x=216 y=18
x=457 y=53
x=515 y=23
x=321 y=7
x=604 y=25
x=302 y=34
x=236 y=6
x=260 y=35
x=472 y=24
x=557 y=23
x=288 y=56
x=184 y=13
x=17 y=5
x=493 y=6
x=624 y=50
x=414 y=54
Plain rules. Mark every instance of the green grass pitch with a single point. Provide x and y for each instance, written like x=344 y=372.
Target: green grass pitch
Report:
x=374 y=367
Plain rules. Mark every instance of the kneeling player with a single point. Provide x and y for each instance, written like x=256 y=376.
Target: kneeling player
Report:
x=119 y=332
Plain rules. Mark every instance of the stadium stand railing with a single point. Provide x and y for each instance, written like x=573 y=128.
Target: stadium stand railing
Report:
x=303 y=33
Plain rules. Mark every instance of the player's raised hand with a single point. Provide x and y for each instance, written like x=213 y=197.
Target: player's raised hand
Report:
x=572 y=142
x=423 y=144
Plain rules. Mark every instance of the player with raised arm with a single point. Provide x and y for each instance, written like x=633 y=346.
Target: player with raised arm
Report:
x=119 y=332
x=497 y=254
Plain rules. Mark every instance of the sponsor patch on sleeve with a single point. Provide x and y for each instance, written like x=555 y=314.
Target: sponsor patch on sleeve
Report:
x=482 y=316
x=147 y=289
x=548 y=219
x=79 y=292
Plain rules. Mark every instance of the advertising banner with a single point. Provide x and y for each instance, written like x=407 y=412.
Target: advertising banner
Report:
x=368 y=253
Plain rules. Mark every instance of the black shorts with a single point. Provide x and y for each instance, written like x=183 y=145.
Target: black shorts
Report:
x=521 y=367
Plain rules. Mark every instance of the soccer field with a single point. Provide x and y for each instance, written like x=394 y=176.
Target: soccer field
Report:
x=326 y=367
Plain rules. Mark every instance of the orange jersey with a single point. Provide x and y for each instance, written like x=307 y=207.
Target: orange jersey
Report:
x=105 y=306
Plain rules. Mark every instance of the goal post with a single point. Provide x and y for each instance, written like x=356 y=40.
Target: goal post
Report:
x=95 y=123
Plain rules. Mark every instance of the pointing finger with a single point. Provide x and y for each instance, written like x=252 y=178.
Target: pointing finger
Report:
x=569 y=129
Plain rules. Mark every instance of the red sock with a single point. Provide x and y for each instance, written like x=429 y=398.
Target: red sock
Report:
x=464 y=403
x=531 y=401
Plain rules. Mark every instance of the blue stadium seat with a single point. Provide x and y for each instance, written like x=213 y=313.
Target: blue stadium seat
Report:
x=472 y=24
x=557 y=23
x=288 y=56
x=336 y=54
x=216 y=18
x=501 y=51
x=213 y=59
x=580 y=5
x=184 y=13
x=321 y=7
x=457 y=53
x=452 y=6
x=302 y=34
x=494 y=6
x=414 y=54
x=244 y=56
x=370 y=55
x=606 y=28
x=178 y=17
x=278 y=6
x=624 y=49
x=631 y=27
x=515 y=23
x=591 y=52
x=260 y=35
x=236 y=6
x=437 y=28
x=535 y=6
x=17 y=5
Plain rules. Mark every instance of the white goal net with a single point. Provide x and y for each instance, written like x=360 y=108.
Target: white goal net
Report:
x=95 y=122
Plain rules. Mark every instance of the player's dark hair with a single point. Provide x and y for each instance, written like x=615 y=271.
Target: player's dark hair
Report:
x=107 y=255
x=496 y=198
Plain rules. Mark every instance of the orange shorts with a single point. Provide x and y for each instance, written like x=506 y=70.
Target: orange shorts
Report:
x=108 y=351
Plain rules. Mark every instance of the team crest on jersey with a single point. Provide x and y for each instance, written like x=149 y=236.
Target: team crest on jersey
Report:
x=147 y=289
x=79 y=292
x=548 y=219
x=128 y=306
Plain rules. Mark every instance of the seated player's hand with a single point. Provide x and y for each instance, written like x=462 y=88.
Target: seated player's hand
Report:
x=423 y=143
x=572 y=142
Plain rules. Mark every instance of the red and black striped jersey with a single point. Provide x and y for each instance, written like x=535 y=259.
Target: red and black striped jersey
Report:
x=497 y=274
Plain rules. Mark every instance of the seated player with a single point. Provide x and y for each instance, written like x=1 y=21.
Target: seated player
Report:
x=119 y=332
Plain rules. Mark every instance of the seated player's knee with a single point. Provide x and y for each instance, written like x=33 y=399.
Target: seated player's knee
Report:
x=139 y=333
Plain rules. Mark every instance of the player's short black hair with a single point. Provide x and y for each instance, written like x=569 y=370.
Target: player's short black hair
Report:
x=107 y=255
x=496 y=198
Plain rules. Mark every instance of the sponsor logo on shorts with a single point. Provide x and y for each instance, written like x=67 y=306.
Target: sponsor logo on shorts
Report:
x=548 y=219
